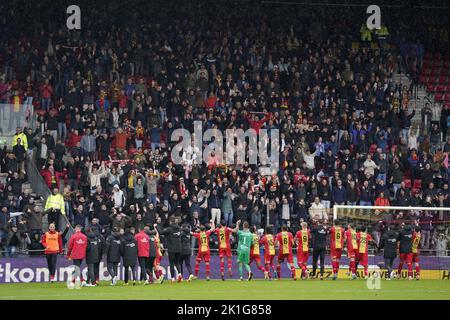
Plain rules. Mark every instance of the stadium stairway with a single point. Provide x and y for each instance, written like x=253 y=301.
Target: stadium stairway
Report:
x=26 y=185
x=414 y=104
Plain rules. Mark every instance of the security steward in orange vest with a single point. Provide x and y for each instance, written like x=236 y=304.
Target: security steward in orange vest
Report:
x=53 y=244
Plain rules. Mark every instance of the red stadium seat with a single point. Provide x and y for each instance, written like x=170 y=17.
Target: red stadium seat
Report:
x=433 y=80
x=423 y=78
x=443 y=79
x=438 y=97
x=440 y=88
x=426 y=71
x=437 y=63
x=431 y=88
x=417 y=184
x=447 y=97
x=435 y=71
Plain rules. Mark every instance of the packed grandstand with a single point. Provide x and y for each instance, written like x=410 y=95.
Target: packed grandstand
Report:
x=102 y=103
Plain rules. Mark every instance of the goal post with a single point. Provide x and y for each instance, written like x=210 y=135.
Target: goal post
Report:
x=429 y=217
x=433 y=222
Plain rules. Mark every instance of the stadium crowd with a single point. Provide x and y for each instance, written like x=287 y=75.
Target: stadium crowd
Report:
x=108 y=97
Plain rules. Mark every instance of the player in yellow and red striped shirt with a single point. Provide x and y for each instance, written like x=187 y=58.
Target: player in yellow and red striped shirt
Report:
x=352 y=248
x=302 y=239
x=415 y=250
x=362 y=255
x=223 y=233
x=255 y=255
x=285 y=240
x=204 y=252
x=268 y=241
x=337 y=244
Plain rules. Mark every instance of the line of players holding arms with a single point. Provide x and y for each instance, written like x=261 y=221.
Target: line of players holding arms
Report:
x=144 y=247
x=355 y=241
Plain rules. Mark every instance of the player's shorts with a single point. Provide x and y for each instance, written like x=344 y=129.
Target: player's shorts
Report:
x=351 y=253
x=157 y=260
x=302 y=257
x=415 y=258
x=268 y=259
x=288 y=256
x=256 y=258
x=406 y=257
x=206 y=256
x=225 y=252
x=336 y=253
x=243 y=257
x=362 y=258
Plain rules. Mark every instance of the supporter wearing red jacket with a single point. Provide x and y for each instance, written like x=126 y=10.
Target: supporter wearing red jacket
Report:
x=73 y=139
x=382 y=201
x=257 y=124
x=51 y=177
x=76 y=251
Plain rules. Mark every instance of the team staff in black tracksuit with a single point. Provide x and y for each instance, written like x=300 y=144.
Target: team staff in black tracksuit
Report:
x=186 y=249
x=173 y=236
x=129 y=253
x=389 y=244
x=94 y=253
x=112 y=251
x=405 y=238
x=319 y=239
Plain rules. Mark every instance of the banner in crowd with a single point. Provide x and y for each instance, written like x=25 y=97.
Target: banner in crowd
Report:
x=14 y=115
x=34 y=269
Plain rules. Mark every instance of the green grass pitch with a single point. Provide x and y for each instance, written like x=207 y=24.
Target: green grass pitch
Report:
x=235 y=290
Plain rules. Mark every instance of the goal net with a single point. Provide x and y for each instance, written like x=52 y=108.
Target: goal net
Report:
x=434 y=225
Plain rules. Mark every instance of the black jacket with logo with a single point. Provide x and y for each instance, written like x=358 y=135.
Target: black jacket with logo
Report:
x=112 y=248
x=172 y=235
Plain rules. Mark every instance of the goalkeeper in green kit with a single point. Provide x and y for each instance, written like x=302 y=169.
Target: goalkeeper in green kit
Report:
x=245 y=238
